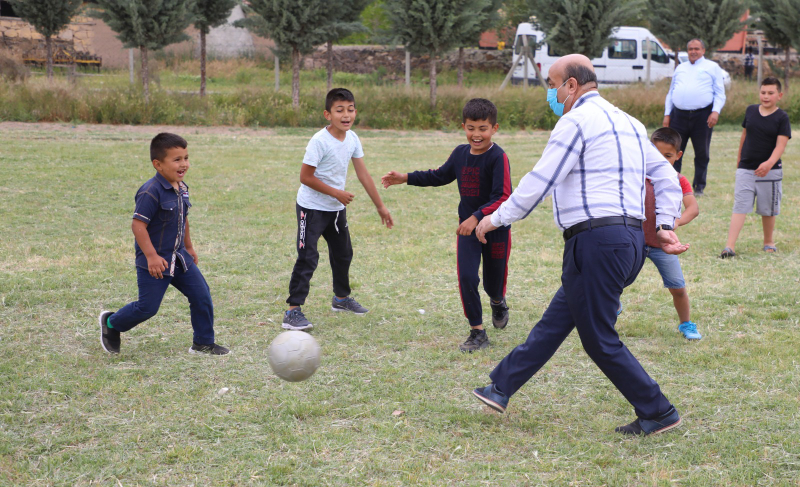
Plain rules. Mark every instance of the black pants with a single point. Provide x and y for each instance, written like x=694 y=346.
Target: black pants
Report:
x=495 y=254
x=598 y=264
x=693 y=124
x=332 y=226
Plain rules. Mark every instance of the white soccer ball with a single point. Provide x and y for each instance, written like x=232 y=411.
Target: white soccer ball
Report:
x=294 y=355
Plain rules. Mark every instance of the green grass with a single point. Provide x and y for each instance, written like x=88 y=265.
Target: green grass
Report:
x=72 y=415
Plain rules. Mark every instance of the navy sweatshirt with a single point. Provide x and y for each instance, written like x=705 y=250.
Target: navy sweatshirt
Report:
x=484 y=181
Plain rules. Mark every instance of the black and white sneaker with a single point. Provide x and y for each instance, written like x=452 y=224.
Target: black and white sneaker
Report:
x=109 y=337
x=499 y=313
x=213 y=349
x=348 y=304
x=294 y=319
x=477 y=340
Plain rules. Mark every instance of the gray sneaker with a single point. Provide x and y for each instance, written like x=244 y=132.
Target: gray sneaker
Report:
x=477 y=340
x=294 y=319
x=109 y=337
x=349 y=304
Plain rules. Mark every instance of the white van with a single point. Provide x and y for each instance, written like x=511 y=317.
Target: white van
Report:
x=623 y=61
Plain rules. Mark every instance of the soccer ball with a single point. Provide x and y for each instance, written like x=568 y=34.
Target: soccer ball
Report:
x=294 y=355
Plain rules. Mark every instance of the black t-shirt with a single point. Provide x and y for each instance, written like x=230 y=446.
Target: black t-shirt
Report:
x=762 y=136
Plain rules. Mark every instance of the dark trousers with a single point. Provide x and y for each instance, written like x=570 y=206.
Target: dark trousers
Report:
x=597 y=265
x=151 y=291
x=495 y=253
x=332 y=226
x=693 y=124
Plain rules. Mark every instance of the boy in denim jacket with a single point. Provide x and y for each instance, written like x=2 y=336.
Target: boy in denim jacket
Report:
x=164 y=252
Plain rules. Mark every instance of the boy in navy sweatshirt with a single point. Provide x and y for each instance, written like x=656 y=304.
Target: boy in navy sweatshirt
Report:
x=482 y=172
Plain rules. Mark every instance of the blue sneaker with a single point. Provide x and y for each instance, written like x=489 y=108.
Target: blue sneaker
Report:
x=643 y=427
x=689 y=330
x=492 y=397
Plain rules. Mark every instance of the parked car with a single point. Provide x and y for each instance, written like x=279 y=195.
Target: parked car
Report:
x=623 y=61
x=726 y=76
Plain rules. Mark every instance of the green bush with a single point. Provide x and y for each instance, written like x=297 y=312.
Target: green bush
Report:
x=380 y=106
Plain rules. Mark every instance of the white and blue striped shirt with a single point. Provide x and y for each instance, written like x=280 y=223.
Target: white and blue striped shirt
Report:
x=595 y=165
x=696 y=86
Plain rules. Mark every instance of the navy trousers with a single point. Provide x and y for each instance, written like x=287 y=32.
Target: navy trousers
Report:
x=694 y=125
x=597 y=265
x=151 y=291
x=495 y=254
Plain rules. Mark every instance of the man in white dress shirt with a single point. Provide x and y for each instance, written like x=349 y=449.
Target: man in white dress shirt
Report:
x=594 y=165
x=695 y=98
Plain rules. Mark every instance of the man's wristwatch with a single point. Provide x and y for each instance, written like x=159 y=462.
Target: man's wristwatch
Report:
x=663 y=227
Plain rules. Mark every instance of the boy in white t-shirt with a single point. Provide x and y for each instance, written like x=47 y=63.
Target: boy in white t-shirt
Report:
x=321 y=202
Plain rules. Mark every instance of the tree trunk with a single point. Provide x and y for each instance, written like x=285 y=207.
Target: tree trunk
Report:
x=677 y=62
x=460 y=67
x=48 y=42
x=202 y=62
x=330 y=65
x=145 y=74
x=433 y=81
x=786 y=71
x=295 y=78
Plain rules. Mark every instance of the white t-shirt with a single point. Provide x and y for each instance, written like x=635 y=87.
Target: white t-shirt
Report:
x=331 y=157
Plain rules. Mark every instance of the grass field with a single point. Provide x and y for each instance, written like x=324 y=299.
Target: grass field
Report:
x=72 y=415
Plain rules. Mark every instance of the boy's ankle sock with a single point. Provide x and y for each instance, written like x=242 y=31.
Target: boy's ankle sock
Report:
x=108 y=322
x=338 y=300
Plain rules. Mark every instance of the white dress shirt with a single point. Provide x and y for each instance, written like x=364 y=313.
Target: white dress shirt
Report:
x=696 y=86
x=595 y=165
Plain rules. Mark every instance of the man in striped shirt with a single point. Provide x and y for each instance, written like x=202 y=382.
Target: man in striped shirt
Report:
x=594 y=165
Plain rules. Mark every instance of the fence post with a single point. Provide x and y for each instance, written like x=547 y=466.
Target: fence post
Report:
x=525 y=57
x=131 y=68
x=649 y=58
x=277 y=72
x=760 y=59
x=408 y=67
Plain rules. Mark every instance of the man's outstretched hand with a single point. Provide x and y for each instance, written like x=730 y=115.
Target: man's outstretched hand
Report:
x=670 y=243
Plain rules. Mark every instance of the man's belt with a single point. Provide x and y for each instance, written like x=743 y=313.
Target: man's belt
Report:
x=694 y=109
x=600 y=222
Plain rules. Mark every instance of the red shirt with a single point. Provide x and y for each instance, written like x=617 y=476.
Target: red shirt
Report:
x=649 y=226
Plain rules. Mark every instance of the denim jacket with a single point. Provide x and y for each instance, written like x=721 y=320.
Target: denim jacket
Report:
x=164 y=210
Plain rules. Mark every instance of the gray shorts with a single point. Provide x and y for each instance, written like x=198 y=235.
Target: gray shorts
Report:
x=766 y=192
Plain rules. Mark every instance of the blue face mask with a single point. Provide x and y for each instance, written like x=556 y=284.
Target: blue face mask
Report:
x=552 y=98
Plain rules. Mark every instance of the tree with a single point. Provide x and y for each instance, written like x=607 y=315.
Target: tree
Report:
x=146 y=25
x=581 y=26
x=780 y=21
x=431 y=27
x=209 y=14
x=487 y=17
x=679 y=21
x=346 y=20
x=295 y=24
x=48 y=17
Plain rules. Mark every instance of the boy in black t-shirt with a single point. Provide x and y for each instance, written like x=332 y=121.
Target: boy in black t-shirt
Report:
x=759 y=173
x=484 y=182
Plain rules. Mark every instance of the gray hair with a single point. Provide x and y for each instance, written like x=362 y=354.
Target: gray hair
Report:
x=581 y=73
x=698 y=40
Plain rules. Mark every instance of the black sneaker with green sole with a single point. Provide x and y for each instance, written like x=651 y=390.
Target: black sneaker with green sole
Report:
x=109 y=337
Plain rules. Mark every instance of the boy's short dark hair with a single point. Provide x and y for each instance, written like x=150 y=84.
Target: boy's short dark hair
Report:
x=479 y=109
x=338 y=94
x=772 y=80
x=668 y=136
x=163 y=142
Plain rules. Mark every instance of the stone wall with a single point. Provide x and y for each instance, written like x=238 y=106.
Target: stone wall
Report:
x=15 y=32
x=734 y=63
x=367 y=59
